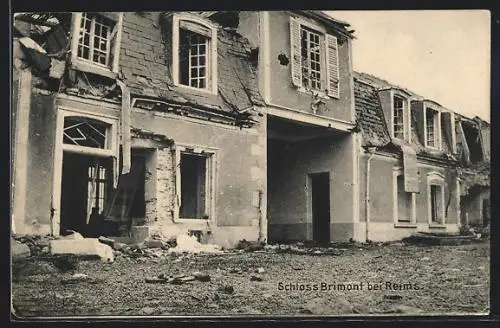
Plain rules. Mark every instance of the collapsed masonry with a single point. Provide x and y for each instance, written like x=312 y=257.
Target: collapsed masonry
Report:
x=129 y=136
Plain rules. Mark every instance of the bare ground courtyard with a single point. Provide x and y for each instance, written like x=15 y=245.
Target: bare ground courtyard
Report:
x=423 y=280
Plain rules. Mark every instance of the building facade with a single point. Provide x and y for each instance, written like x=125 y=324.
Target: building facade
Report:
x=227 y=125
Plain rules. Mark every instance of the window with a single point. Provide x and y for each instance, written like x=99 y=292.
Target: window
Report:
x=84 y=132
x=194 y=183
x=432 y=128
x=96 y=42
x=435 y=204
x=398 y=117
x=314 y=64
x=310 y=49
x=404 y=202
x=435 y=190
x=98 y=181
x=194 y=54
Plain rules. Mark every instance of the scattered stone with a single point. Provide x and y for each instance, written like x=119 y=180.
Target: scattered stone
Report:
x=200 y=276
x=66 y=263
x=318 y=252
x=235 y=270
x=148 y=310
x=18 y=250
x=72 y=236
x=155 y=280
x=260 y=270
x=154 y=243
x=267 y=295
x=425 y=258
x=256 y=278
x=87 y=247
x=106 y=241
x=79 y=276
x=119 y=246
x=228 y=289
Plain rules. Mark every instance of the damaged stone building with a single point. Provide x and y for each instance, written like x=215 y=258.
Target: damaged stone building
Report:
x=227 y=125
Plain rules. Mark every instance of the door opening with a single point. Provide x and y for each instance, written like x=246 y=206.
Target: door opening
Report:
x=320 y=206
x=85 y=188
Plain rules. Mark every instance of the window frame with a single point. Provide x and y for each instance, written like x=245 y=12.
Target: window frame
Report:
x=435 y=178
x=397 y=172
x=210 y=181
x=324 y=53
x=211 y=54
x=437 y=126
x=111 y=69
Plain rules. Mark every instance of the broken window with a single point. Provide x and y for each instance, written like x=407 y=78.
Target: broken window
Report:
x=93 y=43
x=96 y=42
x=194 y=51
x=432 y=128
x=473 y=139
x=193 y=178
x=404 y=201
x=314 y=58
x=84 y=132
x=310 y=49
x=98 y=186
x=398 y=117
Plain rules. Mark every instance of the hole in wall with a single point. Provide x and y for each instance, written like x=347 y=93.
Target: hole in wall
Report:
x=283 y=59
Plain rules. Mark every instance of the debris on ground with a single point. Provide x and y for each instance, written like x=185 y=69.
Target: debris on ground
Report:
x=201 y=276
x=19 y=250
x=227 y=289
x=86 y=247
x=256 y=277
x=250 y=246
x=189 y=244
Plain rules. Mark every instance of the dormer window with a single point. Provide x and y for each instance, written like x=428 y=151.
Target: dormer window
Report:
x=96 y=42
x=194 y=59
x=315 y=62
x=398 y=117
x=432 y=127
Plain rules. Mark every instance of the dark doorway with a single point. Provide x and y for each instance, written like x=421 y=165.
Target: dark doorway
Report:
x=85 y=187
x=320 y=205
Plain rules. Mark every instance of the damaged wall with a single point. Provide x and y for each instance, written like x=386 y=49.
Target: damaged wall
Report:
x=284 y=93
x=40 y=163
x=241 y=163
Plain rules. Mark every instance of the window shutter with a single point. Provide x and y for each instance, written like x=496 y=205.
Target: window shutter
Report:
x=295 y=52
x=332 y=60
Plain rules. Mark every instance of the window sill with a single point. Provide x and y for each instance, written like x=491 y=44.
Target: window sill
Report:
x=193 y=89
x=312 y=92
x=405 y=225
x=94 y=69
x=437 y=226
x=192 y=221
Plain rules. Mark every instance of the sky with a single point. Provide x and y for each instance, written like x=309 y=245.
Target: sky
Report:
x=443 y=55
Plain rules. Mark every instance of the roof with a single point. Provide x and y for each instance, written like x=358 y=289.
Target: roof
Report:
x=147 y=76
x=369 y=115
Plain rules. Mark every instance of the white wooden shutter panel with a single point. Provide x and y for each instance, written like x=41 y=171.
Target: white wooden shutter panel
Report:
x=332 y=63
x=295 y=62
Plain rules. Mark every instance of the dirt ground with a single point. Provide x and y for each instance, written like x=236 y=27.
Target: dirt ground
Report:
x=410 y=279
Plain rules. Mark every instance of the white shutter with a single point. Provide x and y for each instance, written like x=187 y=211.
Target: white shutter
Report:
x=332 y=63
x=295 y=61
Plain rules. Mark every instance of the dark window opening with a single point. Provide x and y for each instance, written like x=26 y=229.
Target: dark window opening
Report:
x=473 y=142
x=193 y=59
x=84 y=132
x=404 y=201
x=486 y=212
x=138 y=208
x=435 y=204
x=193 y=170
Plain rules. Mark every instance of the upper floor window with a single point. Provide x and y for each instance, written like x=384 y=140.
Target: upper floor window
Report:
x=432 y=129
x=315 y=63
x=96 y=42
x=194 y=53
x=398 y=117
